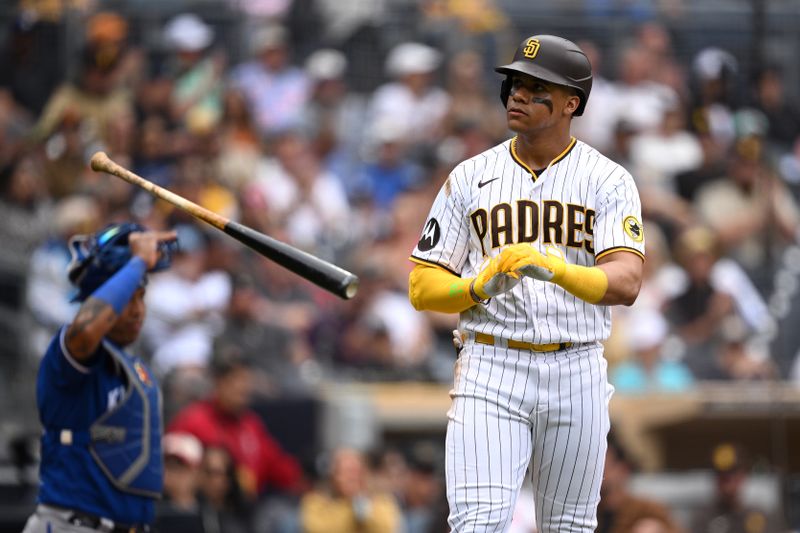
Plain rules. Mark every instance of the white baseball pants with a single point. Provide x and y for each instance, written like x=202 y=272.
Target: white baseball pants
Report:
x=515 y=409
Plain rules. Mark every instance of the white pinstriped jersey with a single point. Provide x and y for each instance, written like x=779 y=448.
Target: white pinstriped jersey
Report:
x=584 y=204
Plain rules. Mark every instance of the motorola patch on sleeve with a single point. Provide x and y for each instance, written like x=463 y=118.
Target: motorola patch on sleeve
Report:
x=430 y=235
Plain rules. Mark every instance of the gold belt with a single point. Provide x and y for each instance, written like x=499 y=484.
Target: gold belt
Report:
x=483 y=338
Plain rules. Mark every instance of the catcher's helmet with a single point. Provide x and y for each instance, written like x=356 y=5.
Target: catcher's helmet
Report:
x=95 y=258
x=552 y=59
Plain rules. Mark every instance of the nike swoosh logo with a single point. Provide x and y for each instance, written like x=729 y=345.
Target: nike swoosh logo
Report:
x=482 y=183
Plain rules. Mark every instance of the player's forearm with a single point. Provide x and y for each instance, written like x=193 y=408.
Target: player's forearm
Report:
x=94 y=319
x=435 y=289
x=99 y=312
x=623 y=284
x=615 y=280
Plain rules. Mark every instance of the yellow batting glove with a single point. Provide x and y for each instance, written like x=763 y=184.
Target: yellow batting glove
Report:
x=587 y=283
x=549 y=267
x=500 y=275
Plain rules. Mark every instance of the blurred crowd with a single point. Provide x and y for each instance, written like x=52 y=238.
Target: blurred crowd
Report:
x=279 y=134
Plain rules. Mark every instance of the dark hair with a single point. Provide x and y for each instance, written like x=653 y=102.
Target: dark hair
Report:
x=227 y=358
x=235 y=500
x=101 y=57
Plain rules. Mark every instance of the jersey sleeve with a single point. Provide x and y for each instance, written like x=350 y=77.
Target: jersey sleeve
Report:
x=618 y=221
x=60 y=369
x=445 y=235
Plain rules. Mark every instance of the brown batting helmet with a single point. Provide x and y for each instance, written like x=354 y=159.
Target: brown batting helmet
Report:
x=550 y=58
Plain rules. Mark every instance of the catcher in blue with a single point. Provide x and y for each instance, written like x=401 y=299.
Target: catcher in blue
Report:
x=100 y=407
x=531 y=242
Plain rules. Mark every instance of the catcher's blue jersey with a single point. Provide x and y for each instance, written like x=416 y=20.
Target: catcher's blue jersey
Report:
x=71 y=396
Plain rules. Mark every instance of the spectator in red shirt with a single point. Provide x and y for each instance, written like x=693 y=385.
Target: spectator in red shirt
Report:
x=225 y=419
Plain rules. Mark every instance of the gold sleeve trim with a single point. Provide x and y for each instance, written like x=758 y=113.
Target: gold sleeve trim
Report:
x=619 y=249
x=433 y=264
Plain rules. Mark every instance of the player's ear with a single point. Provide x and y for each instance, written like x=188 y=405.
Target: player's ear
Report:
x=572 y=103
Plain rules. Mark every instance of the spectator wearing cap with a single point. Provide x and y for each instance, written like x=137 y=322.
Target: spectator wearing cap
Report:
x=751 y=210
x=657 y=156
x=94 y=98
x=183 y=454
x=277 y=91
x=335 y=116
x=388 y=171
x=109 y=30
x=711 y=291
x=411 y=101
x=48 y=293
x=225 y=419
x=647 y=370
x=713 y=72
x=184 y=319
x=729 y=511
x=196 y=98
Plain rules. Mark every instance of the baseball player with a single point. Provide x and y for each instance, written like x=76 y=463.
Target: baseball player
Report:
x=531 y=242
x=100 y=406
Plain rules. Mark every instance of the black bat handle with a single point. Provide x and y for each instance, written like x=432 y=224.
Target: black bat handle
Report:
x=318 y=271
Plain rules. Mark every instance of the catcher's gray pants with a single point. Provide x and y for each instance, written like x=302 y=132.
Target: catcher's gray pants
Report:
x=48 y=519
x=519 y=410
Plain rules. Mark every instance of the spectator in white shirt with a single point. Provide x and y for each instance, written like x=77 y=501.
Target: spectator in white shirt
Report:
x=411 y=100
x=276 y=91
x=186 y=306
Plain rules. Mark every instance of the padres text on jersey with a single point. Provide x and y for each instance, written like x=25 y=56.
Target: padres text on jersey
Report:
x=583 y=204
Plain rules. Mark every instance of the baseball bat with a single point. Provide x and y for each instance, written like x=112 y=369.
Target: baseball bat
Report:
x=324 y=274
